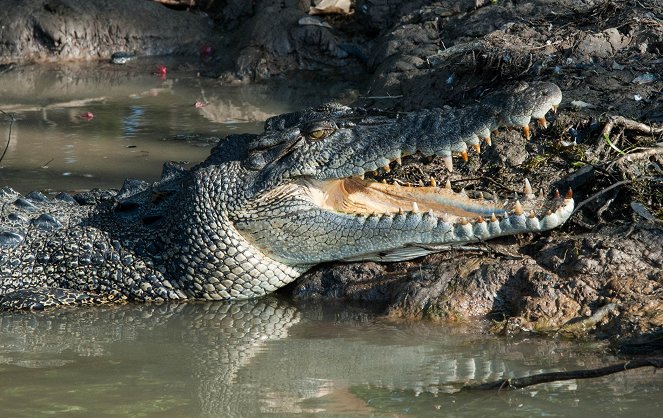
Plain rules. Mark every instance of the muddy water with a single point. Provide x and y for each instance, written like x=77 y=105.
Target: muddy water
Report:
x=269 y=357
x=265 y=357
x=138 y=121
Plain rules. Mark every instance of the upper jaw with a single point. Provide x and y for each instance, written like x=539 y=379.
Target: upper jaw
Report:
x=444 y=133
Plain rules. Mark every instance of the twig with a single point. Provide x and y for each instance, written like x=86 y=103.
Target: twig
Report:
x=628 y=124
x=637 y=156
x=600 y=192
x=400 y=96
x=9 y=136
x=521 y=382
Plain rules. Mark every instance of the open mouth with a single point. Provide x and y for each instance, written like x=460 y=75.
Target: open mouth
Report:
x=365 y=196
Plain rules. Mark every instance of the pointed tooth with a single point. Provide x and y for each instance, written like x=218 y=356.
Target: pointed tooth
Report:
x=526 y=132
x=386 y=168
x=463 y=221
x=464 y=156
x=408 y=184
x=557 y=196
x=481 y=195
x=569 y=194
x=384 y=181
x=447 y=184
x=421 y=183
x=433 y=183
x=399 y=161
x=554 y=108
x=493 y=218
x=488 y=140
x=542 y=122
x=415 y=207
x=527 y=190
x=361 y=176
x=448 y=163
x=518 y=208
x=515 y=195
x=480 y=219
x=400 y=211
x=541 y=195
x=531 y=214
x=462 y=192
x=431 y=213
x=477 y=148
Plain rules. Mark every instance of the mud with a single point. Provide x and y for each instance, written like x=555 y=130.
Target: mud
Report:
x=598 y=275
x=65 y=30
x=602 y=273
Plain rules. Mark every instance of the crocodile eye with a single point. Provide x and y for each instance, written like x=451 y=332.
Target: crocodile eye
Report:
x=318 y=133
x=319 y=130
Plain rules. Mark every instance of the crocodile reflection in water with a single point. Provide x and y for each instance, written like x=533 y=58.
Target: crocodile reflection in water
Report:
x=234 y=359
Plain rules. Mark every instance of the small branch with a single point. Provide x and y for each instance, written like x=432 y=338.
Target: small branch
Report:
x=400 y=96
x=599 y=193
x=628 y=124
x=9 y=136
x=521 y=382
x=636 y=156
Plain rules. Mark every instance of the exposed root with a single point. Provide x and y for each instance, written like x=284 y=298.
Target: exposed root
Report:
x=584 y=325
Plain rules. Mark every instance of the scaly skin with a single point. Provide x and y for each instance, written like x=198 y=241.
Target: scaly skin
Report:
x=262 y=209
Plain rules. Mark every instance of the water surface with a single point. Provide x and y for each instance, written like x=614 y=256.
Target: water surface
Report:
x=138 y=121
x=270 y=357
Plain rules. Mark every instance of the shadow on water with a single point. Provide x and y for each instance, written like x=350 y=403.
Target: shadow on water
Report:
x=94 y=124
x=269 y=356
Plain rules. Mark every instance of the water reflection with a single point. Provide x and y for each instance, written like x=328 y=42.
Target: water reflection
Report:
x=270 y=357
x=84 y=126
x=131 y=122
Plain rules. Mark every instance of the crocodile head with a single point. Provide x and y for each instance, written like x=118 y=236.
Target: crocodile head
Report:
x=307 y=196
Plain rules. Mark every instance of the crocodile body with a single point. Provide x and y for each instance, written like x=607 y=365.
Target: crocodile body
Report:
x=262 y=209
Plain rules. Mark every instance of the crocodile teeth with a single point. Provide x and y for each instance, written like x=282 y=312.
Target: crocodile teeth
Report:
x=518 y=208
x=542 y=122
x=447 y=184
x=386 y=168
x=477 y=148
x=569 y=194
x=432 y=182
x=527 y=190
x=399 y=161
x=464 y=156
x=493 y=218
x=554 y=108
x=448 y=163
x=415 y=207
x=488 y=140
x=526 y=132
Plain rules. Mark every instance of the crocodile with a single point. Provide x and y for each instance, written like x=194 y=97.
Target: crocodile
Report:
x=263 y=209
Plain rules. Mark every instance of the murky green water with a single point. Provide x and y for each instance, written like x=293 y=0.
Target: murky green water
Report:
x=264 y=357
x=139 y=121
x=269 y=357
